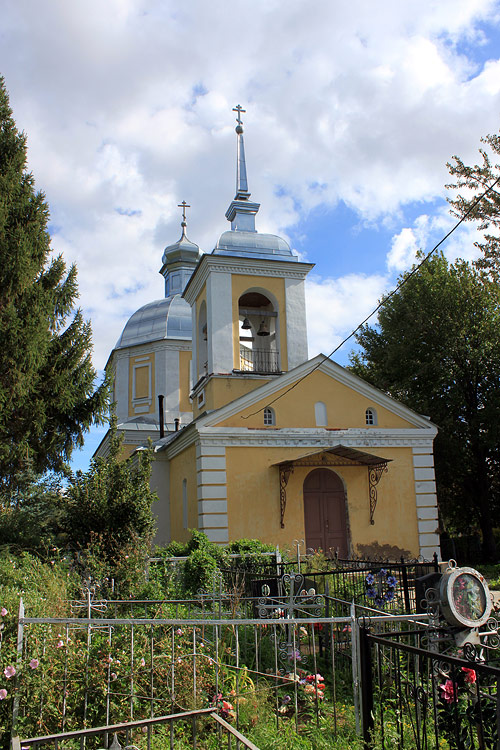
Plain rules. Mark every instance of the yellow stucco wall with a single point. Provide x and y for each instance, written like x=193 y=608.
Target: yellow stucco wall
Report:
x=259 y=515
x=241 y=284
x=184 y=367
x=345 y=407
x=183 y=466
x=220 y=391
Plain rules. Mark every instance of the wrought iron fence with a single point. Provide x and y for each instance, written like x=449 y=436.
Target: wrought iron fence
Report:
x=392 y=587
x=419 y=699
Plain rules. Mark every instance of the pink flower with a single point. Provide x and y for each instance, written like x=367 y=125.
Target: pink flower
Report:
x=3 y=694
x=178 y=631
x=34 y=663
x=143 y=662
x=469 y=676
x=9 y=672
x=113 y=675
x=448 y=692
x=4 y=611
x=60 y=643
x=227 y=706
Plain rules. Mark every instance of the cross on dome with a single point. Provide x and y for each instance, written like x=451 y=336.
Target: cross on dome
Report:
x=183 y=205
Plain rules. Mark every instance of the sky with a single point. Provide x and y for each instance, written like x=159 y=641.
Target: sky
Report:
x=353 y=110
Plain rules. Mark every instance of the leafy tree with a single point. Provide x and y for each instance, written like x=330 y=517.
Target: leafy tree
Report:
x=108 y=508
x=48 y=397
x=487 y=212
x=437 y=348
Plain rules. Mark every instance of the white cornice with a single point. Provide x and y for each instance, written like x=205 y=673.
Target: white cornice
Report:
x=301 y=438
x=245 y=266
x=325 y=365
x=178 y=345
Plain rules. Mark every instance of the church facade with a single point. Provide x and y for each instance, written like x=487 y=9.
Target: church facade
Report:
x=251 y=438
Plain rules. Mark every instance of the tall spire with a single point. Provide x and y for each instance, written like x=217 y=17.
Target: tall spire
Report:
x=241 y=212
x=241 y=167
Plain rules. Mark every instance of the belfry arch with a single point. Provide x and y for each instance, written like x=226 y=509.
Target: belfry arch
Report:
x=258 y=332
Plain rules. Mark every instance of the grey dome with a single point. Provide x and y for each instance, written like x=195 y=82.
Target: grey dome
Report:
x=254 y=244
x=168 y=318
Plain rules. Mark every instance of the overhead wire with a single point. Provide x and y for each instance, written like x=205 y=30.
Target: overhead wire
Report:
x=384 y=301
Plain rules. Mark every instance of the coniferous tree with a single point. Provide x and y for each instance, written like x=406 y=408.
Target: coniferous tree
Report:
x=48 y=397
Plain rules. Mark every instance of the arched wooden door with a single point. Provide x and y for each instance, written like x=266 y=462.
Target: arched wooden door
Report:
x=325 y=512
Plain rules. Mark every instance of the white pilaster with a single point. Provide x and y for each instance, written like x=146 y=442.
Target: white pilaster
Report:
x=426 y=503
x=212 y=492
x=220 y=323
x=296 y=328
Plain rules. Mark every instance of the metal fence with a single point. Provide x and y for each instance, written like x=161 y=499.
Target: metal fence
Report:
x=81 y=672
x=394 y=587
x=419 y=699
x=130 y=731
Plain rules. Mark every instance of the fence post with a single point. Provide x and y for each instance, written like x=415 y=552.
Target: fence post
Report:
x=19 y=656
x=366 y=675
x=355 y=665
x=404 y=575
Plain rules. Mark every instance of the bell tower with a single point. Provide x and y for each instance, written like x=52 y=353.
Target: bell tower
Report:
x=248 y=304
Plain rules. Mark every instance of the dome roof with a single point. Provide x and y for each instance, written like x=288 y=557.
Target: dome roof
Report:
x=253 y=244
x=168 y=318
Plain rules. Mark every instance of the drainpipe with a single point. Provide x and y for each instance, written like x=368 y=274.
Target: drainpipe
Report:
x=162 y=416
x=177 y=422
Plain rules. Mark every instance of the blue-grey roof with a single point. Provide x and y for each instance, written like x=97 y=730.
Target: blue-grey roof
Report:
x=253 y=244
x=168 y=318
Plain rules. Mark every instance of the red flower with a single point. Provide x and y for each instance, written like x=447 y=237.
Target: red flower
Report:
x=469 y=676
x=448 y=692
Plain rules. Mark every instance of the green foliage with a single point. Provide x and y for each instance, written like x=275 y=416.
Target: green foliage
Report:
x=437 y=348
x=43 y=586
x=486 y=214
x=199 y=571
x=47 y=393
x=108 y=514
x=34 y=520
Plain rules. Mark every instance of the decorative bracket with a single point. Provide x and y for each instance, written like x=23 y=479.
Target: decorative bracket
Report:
x=285 y=470
x=374 y=476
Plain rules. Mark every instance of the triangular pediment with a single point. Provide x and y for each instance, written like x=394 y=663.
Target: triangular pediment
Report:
x=318 y=379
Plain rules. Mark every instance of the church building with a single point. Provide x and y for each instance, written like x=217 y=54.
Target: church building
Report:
x=251 y=438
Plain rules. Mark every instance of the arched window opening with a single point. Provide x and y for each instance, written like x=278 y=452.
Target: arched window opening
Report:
x=202 y=341
x=258 y=333
x=320 y=414
x=370 y=416
x=269 y=417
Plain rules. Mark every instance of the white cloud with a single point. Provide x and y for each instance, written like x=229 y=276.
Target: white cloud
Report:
x=127 y=106
x=335 y=307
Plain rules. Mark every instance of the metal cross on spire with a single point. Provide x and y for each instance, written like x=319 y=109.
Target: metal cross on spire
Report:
x=239 y=109
x=183 y=205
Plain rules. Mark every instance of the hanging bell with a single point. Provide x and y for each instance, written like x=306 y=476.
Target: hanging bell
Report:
x=263 y=330
x=246 y=325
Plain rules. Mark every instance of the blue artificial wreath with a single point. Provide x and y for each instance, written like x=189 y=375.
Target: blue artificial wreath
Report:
x=380 y=587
